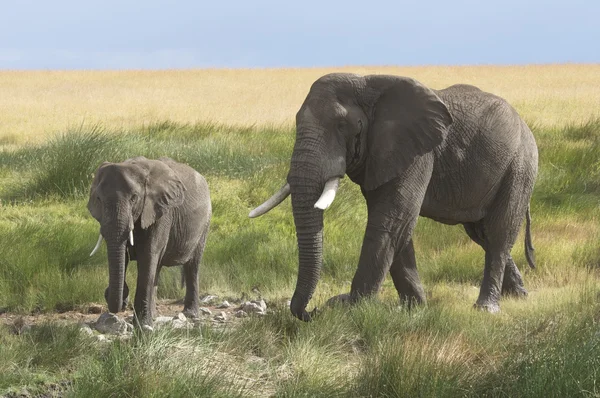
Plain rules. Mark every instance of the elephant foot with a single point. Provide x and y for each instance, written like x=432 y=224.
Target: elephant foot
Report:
x=142 y=321
x=340 y=299
x=492 y=308
x=191 y=313
x=515 y=291
x=412 y=301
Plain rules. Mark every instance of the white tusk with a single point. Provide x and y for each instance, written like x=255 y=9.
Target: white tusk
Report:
x=328 y=194
x=131 y=237
x=271 y=202
x=97 y=245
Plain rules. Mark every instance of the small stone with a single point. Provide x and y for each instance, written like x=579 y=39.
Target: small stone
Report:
x=147 y=328
x=109 y=323
x=205 y=311
x=221 y=317
x=261 y=303
x=253 y=308
x=162 y=320
x=241 y=314
x=208 y=299
x=179 y=324
x=102 y=339
x=86 y=330
x=95 y=309
x=224 y=304
x=181 y=316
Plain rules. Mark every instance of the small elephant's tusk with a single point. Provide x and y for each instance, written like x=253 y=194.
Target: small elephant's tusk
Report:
x=97 y=245
x=271 y=202
x=131 y=237
x=328 y=194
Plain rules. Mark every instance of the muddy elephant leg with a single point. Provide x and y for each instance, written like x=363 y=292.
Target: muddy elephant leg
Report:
x=406 y=278
x=512 y=283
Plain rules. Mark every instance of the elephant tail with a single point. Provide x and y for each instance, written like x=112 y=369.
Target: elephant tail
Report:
x=182 y=277
x=529 y=250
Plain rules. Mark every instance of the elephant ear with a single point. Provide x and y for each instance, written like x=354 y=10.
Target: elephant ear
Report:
x=94 y=205
x=409 y=120
x=164 y=191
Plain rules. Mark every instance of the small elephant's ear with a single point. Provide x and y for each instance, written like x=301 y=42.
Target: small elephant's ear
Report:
x=408 y=120
x=94 y=205
x=164 y=191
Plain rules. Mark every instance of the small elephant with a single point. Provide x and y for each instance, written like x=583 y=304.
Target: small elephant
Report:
x=457 y=155
x=156 y=212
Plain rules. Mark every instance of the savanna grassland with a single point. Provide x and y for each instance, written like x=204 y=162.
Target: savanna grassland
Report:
x=236 y=128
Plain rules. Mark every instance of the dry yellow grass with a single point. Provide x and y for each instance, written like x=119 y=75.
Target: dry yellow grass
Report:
x=35 y=104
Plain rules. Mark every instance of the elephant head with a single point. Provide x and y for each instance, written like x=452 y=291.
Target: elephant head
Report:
x=135 y=192
x=370 y=128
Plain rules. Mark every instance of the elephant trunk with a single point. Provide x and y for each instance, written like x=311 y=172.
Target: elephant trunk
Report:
x=116 y=272
x=309 y=232
x=314 y=176
x=116 y=231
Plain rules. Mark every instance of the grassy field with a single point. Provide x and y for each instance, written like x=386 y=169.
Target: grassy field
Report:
x=57 y=127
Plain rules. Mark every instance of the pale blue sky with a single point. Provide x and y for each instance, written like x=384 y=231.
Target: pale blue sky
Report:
x=67 y=34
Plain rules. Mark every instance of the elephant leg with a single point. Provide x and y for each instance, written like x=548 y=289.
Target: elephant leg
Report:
x=144 y=302
x=512 y=283
x=501 y=226
x=393 y=209
x=406 y=278
x=191 y=302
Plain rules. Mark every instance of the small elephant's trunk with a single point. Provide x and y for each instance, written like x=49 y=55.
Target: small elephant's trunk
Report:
x=116 y=278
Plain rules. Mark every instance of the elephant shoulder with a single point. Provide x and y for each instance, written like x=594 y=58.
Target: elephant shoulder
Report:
x=188 y=175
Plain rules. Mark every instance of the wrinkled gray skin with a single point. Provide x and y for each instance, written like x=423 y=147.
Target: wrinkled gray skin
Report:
x=457 y=156
x=167 y=204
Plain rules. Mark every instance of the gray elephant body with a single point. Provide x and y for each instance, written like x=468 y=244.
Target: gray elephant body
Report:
x=458 y=156
x=167 y=207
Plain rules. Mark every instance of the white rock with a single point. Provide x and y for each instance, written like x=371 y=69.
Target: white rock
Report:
x=224 y=304
x=162 y=320
x=241 y=314
x=181 y=316
x=208 y=299
x=205 y=311
x=252 y=307
x=109 y=323
x=147 y=328
x=261 y=303
x=102 y=339
x=86 y=330
x=221 y=317
x=179 y=324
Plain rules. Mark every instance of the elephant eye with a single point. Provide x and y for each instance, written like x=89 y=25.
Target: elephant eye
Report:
x=134 y=197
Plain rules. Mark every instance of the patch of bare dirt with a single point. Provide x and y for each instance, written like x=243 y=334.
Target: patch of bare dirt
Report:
x=89 y=313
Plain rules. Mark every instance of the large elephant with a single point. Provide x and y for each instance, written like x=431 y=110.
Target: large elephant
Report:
x=457 y=156
x=158 y=213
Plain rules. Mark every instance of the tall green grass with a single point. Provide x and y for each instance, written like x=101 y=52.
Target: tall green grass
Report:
x=546 y=345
